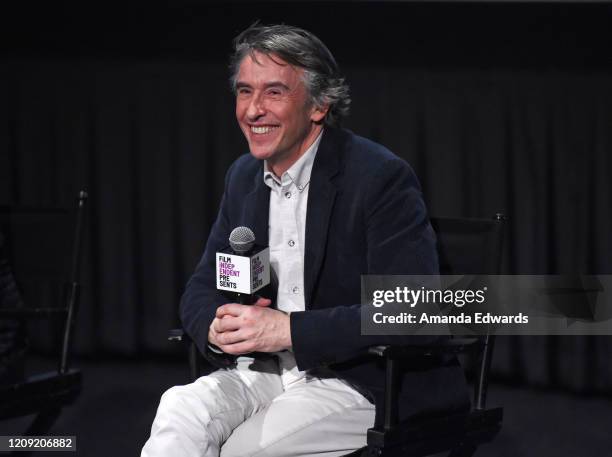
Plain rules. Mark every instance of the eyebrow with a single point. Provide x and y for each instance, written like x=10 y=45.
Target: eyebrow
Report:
x=242 y=84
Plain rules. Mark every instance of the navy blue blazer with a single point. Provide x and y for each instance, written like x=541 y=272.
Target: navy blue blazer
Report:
x=365 y=215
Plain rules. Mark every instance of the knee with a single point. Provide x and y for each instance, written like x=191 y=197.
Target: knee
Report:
x=178 y=400
x=173 y=396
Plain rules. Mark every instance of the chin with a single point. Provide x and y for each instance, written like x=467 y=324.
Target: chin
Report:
x=261 y=153
x=263 y=150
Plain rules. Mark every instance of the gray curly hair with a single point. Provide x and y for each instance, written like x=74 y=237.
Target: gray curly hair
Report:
x=302 y=49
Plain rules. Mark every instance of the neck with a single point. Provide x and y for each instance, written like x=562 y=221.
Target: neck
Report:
x=278 y=167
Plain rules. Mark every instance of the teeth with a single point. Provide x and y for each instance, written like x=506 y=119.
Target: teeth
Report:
x=260 y=130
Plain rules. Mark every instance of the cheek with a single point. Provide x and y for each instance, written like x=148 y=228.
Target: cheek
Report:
x=239 y=111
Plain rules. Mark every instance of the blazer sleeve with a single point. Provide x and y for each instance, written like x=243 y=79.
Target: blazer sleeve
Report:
x=201 y=297
x=400 y=240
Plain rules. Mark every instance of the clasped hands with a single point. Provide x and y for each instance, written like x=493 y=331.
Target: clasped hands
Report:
x=240 y=329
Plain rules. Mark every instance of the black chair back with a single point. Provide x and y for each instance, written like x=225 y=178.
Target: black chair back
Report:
x=44 y=250
x=37 y=241
x=469 y=246
x=472 y=246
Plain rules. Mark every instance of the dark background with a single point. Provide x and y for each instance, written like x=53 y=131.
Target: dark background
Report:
x=498 y=107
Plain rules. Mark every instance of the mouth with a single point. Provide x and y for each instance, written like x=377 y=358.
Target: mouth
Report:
x=263 y=129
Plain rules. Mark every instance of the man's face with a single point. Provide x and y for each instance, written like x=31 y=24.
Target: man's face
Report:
x=274 y=111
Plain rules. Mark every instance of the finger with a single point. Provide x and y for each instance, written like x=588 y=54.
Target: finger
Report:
x=263 y=302
x=243 y=347
x=212 y=336
x=232 y=309
x=214 y=326
x=230 y=338
x=226 y=324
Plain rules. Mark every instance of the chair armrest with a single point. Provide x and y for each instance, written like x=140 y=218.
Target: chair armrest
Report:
x=448 y=346
x=178 y=334
x=24 y=313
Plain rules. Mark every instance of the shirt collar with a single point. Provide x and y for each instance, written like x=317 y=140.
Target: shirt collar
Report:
x=299 y=173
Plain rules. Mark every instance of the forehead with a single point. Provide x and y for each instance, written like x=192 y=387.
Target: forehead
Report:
x=257 y=67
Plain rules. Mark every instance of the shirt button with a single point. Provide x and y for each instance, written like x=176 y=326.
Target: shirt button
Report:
x=300 y=187
x=295 y=290
x=288 y=194
x=291 y=243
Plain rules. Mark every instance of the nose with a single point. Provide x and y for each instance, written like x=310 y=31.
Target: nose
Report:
x=256 y=107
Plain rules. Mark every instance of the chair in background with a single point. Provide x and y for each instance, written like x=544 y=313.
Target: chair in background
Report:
x=465 y=247
x=45 y=254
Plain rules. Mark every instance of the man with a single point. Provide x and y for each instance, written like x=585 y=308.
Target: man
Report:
x=332 y=206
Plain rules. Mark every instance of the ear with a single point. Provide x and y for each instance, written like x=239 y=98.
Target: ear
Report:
x=318 y=113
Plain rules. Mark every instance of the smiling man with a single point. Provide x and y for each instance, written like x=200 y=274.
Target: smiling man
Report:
x=294 y=378
x=274 y=110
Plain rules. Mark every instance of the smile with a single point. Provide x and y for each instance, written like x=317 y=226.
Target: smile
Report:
x=262 y=129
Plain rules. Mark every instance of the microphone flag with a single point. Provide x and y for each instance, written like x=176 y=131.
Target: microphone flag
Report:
x=243 y=267
x=243 y=274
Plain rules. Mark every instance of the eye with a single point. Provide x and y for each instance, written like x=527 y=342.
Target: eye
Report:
x=243 y=91
x=274 y=92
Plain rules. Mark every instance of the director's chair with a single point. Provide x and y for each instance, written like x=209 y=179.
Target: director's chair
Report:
x=45 y=256
x=465 y=247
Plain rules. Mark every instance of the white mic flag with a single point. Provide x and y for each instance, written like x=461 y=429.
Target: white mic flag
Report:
x=243 y=268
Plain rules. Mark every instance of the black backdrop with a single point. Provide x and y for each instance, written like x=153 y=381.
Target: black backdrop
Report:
x=504 y=107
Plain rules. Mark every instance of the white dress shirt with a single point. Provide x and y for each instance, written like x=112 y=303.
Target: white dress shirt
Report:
x=286 y=233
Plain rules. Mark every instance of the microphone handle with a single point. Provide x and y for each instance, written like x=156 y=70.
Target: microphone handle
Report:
x=245 y=299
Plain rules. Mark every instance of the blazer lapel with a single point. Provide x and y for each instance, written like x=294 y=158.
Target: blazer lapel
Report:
x=321 y=198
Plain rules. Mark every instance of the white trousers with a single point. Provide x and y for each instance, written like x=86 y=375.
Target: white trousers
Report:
x=247 y=411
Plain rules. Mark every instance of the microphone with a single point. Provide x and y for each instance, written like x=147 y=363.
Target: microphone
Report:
x=243 y=267
x=242 y=239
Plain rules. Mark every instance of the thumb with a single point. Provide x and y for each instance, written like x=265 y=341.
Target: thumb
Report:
x=263 y=302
